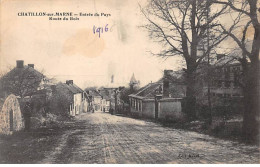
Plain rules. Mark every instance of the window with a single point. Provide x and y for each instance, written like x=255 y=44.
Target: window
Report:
x=227 y=77
x=236 y=79
x=219 y=84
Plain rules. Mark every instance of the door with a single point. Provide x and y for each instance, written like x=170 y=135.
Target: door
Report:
x=11 y=120
x=158 y=97
x=156 y=108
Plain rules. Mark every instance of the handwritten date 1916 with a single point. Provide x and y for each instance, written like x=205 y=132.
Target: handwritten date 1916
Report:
x=100 y=30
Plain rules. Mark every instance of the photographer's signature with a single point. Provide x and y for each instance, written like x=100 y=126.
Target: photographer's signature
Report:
x=188 y=156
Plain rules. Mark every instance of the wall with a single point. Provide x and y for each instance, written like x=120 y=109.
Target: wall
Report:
x=148 y=108
x=77 y=103
x=11 y=104
x=143 y=107
x=170 y=109
x=84 y=105
x=72 y=111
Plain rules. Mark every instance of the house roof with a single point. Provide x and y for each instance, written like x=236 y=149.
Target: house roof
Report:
x=148 y=91
x=105 y=93
x=176 y=87
x=30 y=77
x=227 y=60
x=26 y=71
x=73 y=88
x=94 y=93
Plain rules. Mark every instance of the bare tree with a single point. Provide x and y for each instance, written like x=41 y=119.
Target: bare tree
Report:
x=250 y=11
x=181 y=27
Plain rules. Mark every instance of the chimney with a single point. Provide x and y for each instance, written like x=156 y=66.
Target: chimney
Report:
x=112 y=79
x=166 y=83
x=69 y=82
x=31 y=65
x=19 y=64
x=220 y=56
x=167 y=72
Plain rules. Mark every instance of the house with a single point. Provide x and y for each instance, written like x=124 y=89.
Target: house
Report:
x=96 y=99
x=75 y=99
x=107 y=95
x=103 y=99
x=226 y=78
x=25 y=81
x=160 y=100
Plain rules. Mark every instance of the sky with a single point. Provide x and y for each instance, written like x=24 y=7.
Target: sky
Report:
x=70 y=50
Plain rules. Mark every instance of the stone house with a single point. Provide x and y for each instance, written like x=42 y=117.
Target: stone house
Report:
x=75 y=99
x=96 y=99
x=160 y=100
x=106 y=94
x=226 y=78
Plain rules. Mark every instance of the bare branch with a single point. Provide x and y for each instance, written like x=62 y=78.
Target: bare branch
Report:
x=231 y=5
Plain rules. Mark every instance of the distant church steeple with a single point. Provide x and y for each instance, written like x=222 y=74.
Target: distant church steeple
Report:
x=133 y=80
x=134 y=84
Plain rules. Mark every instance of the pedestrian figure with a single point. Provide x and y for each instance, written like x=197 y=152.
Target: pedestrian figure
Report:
x=27 y=116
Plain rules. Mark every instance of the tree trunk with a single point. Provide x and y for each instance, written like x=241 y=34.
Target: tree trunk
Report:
x=190 y=101
x=251 y=101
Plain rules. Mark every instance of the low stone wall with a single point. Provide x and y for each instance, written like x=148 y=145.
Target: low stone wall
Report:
x=170 y=109
x=10 y=116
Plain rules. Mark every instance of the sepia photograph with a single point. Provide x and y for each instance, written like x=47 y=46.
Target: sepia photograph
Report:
x=129 y=82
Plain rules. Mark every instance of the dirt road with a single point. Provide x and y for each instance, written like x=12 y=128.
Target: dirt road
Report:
x=105 y=138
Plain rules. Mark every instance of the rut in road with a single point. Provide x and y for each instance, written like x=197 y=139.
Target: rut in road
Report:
x=104 y=138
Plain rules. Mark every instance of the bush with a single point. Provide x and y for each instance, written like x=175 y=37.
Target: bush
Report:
x=59 y=105
x=203 y=111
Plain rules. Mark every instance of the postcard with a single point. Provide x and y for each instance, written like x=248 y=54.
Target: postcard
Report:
x=129 y=81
